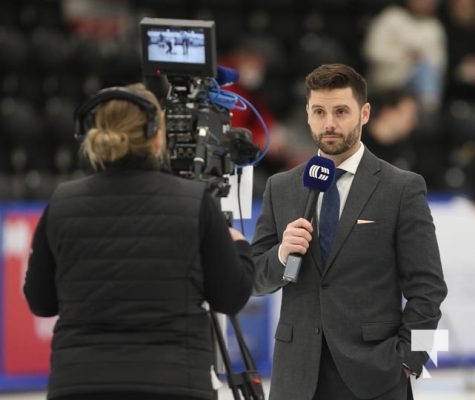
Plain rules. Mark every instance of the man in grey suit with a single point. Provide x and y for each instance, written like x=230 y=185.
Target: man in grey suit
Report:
x=345 y=326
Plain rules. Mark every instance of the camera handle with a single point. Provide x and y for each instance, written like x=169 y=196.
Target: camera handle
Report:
x=248 y=382
x=200 y=154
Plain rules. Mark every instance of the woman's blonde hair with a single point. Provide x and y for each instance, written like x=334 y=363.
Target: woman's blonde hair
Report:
x=119 y=131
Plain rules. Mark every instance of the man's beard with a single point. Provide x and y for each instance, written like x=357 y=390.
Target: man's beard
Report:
x=339 y=146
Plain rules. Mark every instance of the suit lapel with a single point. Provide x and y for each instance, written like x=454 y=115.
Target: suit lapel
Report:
x=363 y=185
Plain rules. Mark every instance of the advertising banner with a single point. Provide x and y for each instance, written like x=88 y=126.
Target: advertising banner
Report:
x=26 y=338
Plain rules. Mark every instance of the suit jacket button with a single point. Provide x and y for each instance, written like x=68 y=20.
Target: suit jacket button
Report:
x=317 y=331
x=324 y=286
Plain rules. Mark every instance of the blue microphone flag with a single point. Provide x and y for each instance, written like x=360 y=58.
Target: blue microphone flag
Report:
x=319 y=173
x=318 y=176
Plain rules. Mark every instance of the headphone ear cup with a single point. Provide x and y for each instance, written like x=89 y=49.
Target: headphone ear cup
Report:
x=78 y=130
x=83 y=122
x=152 y=126
x=89 y=122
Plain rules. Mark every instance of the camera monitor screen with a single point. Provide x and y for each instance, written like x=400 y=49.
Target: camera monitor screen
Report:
x=181 y=47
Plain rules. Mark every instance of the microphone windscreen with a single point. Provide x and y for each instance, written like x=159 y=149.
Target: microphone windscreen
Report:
x=226 y=76
x=319 y=173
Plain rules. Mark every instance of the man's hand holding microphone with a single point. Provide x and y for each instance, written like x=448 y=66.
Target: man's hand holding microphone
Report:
x=318 y=176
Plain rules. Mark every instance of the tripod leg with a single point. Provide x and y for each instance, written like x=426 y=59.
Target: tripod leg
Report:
x=224 y=353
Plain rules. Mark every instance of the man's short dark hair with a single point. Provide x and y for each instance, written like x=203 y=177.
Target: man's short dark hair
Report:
x=337 y=76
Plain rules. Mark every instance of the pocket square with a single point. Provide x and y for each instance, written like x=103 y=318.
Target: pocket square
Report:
x=364 y=221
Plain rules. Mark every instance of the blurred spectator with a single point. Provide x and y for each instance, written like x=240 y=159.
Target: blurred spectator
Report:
x=394 y=116
x=251 y=59
x=459 y=20
x=405 y=46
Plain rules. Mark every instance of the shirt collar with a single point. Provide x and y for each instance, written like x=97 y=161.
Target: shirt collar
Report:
x=351 y=163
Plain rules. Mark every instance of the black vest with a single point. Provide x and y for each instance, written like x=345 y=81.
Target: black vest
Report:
x=130 y=286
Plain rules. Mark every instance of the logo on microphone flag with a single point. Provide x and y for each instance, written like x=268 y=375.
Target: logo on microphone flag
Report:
x=319 y=172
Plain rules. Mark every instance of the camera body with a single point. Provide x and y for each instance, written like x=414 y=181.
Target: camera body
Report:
x=180 y=66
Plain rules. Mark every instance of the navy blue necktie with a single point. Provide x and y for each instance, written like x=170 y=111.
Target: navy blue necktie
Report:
x=329 y=215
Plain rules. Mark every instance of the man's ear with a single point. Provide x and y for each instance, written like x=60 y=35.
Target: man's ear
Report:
x=365 y=113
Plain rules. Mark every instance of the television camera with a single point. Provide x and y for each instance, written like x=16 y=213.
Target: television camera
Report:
x=180 y=66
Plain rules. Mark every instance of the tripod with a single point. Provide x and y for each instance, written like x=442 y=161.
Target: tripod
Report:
x=247 y=383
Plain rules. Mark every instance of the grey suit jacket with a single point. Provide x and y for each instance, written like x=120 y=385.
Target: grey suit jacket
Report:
x=357 y=298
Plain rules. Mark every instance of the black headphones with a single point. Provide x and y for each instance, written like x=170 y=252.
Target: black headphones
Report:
x=84 y=114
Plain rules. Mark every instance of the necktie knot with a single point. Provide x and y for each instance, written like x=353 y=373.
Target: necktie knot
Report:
x=338 y=173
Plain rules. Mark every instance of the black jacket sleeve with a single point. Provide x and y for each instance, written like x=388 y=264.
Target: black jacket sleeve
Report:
x=227 y=264
x=39 y=286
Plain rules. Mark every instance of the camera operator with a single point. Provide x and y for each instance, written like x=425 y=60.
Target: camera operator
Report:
x=127 y=258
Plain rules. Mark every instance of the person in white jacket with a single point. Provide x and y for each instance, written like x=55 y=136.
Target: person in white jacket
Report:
x=405 y=46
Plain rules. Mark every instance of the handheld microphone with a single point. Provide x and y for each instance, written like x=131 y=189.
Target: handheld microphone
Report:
x=318 y=176
x=226 y=76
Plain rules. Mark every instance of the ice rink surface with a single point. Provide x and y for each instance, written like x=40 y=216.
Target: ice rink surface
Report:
x=445 y=384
